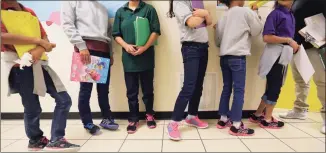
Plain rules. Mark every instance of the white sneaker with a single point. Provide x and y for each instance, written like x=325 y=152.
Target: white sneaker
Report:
x=294 y=115
x=322 y=130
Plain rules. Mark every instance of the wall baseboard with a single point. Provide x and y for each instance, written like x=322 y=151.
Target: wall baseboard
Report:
x=122 y=115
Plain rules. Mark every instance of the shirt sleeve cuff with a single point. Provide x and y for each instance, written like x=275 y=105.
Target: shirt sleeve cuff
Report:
x=186 y=18
x=81 y=46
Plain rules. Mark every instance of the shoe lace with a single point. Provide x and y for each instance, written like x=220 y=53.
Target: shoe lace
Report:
x=198 y=120
x=131 y=123
x=174 y=126
x=150 y=117
x=243 y=128
x=107 y=121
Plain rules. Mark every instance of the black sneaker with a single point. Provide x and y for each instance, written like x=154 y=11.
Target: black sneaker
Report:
x=150 y=120
x=274 y=124
x=221 y=124
x=242 y=131
x=92 y=128
x=132 y=127
x=255 y=119
x=109 y=124
x=36 y=145
x=61 y=145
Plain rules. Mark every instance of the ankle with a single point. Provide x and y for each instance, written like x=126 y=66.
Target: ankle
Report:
x=224 y=118
x=237 y=124
x=191 y=116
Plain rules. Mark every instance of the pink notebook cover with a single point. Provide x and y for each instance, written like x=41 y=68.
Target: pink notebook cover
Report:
x=95 y=72
x=198 y=4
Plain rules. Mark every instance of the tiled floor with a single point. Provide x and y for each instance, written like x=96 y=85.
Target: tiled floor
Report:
x=296 y=136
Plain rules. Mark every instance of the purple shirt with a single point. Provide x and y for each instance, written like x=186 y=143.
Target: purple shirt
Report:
x=280 y=22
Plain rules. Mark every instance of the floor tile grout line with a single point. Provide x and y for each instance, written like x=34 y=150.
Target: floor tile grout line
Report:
x=163 y=136
x=245 y=145
x=280 y=140
x=9 y=144
x=301 y=130
x=201 y=139
x=287 y=145
x=123 y=143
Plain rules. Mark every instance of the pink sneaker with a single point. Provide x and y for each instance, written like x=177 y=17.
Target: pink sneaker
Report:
x=173 y=131
x=196 y=122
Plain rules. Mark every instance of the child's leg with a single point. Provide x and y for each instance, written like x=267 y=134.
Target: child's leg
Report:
x=146 y=81
x=85 y=92
x=195 y=99
x=23 y=82
x=132 y=84
x=227 y=88
x=103 y=100
x=274 y=83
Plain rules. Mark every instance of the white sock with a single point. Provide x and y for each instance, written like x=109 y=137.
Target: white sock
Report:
x=224 y=118
x=237 y=124
x=191 y=116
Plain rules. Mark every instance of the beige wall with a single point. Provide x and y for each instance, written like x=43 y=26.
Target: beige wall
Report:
x=167 y=73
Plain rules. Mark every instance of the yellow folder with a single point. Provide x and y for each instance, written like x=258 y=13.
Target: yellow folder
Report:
x=22 y=23
x=259 y=3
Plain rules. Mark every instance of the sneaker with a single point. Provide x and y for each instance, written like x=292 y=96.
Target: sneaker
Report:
x=196 y=122
x=173 y=131
x=109 y=124
x=92 y=128
x=255 y=119
x=61 y=145
x=323 y=129
x=274 y=124
x=222 y=124
x=241 y=131
x=132 y=127
x=294 y=115
x=150 y=120
x=37 y=145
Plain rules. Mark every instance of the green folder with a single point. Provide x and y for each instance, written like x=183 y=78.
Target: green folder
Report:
x=142 y=31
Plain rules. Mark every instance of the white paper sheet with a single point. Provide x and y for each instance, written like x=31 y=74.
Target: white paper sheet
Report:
x=303 y=64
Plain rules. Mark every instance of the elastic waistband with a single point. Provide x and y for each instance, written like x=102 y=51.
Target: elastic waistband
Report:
x=96 y=45
x=233 y=57
x=192 y=43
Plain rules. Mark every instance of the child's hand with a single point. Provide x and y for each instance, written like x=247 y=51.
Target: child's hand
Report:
x=140 y=50
x=85 y=56
x=36 y=54
x=130 y=48
x=254 y=6
x=47 y=45
x=294 y=45
x=200 y=13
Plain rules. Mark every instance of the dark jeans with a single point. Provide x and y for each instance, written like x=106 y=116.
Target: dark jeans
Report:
x=274 y=83
x=234 y=77
x=195 y=58
x=132 y=83
x=22 y=81
x=102 y=93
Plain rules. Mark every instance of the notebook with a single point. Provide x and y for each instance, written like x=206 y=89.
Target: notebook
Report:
x=142 y=31
x=13 y=20
x=95 y=72
x=200 y=5
x=259 y=3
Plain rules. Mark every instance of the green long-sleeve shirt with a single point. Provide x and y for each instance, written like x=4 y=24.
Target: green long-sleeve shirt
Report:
x=123 y=27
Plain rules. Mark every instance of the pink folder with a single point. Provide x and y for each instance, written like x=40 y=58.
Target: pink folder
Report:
x=198 y=4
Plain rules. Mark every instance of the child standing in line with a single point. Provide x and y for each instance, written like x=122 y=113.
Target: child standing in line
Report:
x=278 y=34
x=87 y=25
x=233 y=35
x=138 y=61
x=34 y=81
x=195 y=57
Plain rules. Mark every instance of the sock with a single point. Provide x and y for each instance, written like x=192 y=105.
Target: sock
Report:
x=237 y=124
x=191 y=116
x=258 y=114
x=224 y=118
x=268 y=120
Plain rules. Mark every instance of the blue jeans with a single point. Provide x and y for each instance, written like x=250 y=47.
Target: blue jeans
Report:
x=102 y=93
x=22 y=81
x=195 y=58
x=234 y=77
x=132 y=83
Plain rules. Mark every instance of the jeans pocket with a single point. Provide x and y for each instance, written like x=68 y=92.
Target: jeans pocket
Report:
x=236 y=64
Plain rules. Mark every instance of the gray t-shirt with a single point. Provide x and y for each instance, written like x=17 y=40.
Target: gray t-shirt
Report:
x=183 y=11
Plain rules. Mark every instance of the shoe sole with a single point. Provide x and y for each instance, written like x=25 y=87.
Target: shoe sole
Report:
x=193 y=125
x=61 y=149
x=299 y=118
x=237 y=134
x=266 y=127
x=221 y=127
x=151 y=127
x=112 y=127
x=35 y=149
x=95 y=133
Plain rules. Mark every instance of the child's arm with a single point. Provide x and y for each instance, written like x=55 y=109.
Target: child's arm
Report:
x=187 y=16
x=14 y=39
x=255 y=23
x=203 y=15
x=218 y=34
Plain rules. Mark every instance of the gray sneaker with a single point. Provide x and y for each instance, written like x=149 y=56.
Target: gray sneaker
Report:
x=294 y=115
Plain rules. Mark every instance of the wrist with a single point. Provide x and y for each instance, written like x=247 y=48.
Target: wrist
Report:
x=38 y=41
x=289 y=40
